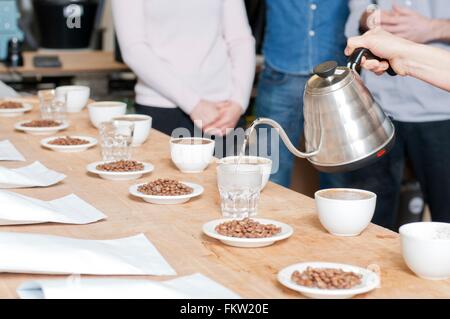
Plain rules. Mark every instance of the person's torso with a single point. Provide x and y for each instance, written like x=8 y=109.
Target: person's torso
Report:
x=303 y=33
x=405 y=98
x=188 y=36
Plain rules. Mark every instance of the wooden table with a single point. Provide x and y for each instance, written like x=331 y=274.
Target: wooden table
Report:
x=176 y=230
x=73 y=63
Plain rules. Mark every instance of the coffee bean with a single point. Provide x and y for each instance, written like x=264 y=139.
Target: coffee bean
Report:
x=165 y=187
x=67 y=141
x=121 y=166
x=326 y=278
x=41 y=123
x=247 y=228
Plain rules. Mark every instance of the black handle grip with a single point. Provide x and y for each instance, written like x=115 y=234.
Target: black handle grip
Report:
x=355 y=60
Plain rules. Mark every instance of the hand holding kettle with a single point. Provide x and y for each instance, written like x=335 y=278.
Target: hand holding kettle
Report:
x=406 y=58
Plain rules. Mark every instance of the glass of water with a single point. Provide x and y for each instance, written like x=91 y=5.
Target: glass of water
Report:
x=52 y=107
x=239 y=187
x=116 y=138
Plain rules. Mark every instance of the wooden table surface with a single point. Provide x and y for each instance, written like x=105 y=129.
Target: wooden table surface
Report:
x=73 y=63
x=176 y=230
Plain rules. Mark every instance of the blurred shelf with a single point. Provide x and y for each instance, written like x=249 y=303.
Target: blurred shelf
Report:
x=73 y=63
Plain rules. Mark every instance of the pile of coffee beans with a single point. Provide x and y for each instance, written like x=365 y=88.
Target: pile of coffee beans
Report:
x=121 y=166
x=326 y=278
x=41 y=123
x=165 y=187
x=68 y=141
x=247 y=228
x=10 y=105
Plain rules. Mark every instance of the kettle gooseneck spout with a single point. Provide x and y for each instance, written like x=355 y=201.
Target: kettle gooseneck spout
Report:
x=284 y=137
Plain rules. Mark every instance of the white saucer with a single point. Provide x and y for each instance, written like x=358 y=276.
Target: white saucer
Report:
x=210 y=230
x=119 y=176
x=167 y=200
x=69 y=148
x=26 y=107
x=40 y=130
x=370 y=281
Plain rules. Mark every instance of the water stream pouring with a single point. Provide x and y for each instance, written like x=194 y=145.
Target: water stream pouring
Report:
x=344 y=128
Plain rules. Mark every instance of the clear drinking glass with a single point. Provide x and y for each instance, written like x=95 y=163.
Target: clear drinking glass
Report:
x=115 y=139
x=52 y=107
x=239 y=187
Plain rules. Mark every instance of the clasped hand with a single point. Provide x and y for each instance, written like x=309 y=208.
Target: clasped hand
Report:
x=216 y=118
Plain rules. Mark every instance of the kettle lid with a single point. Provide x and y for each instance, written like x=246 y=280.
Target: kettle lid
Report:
x=328 y=76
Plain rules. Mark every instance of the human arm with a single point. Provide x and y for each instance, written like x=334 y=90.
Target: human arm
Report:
x=241 y=50
x=407 y=58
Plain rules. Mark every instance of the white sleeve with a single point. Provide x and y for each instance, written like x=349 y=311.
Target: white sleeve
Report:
x=241 y=49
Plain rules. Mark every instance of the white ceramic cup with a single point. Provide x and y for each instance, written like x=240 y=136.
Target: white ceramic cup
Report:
x=426 y=249
x=192 y=158
x=142 y=126
x=345 y=217
x=77 y=96
x=100 y=112
x=264 y=163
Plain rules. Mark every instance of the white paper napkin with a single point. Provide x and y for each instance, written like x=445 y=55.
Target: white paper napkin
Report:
x=9 y=153
x=34 y=175
x=45 y=254
x=195 y=286
x=17 y=209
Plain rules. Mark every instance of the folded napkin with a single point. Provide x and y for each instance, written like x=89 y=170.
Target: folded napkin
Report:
x=195 y=286
x=9 y=153
x=45 y=254
x=7 y=91
x=16 y=209
x=34 y=175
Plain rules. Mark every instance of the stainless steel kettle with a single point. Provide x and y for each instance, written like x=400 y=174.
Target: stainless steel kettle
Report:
x=345 y=128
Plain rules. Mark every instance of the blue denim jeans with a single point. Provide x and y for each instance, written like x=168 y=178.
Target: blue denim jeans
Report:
x=280 y=98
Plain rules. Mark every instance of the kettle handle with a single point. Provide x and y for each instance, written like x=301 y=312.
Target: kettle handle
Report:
x=354 y=61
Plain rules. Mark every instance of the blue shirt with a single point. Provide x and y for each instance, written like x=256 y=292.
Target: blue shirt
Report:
x=301 y=34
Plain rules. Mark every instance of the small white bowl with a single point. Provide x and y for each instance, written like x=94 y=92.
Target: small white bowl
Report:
x=426 y=249
x=119 y=176
x=142 y=126
x=264 y=163
x=100 y=112
x=167 y=200
x=192 y=158
x=40 y=130
x=26 y=107
x=345 y=217
x=69 y=148
x=370 y=281
x=210 y=230
x=77 y=96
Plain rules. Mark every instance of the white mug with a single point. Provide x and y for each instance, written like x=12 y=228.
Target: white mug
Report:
x=100 y=112
x=142 y=126
x=345 y=217
x=77 y=96
x=192 y=158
